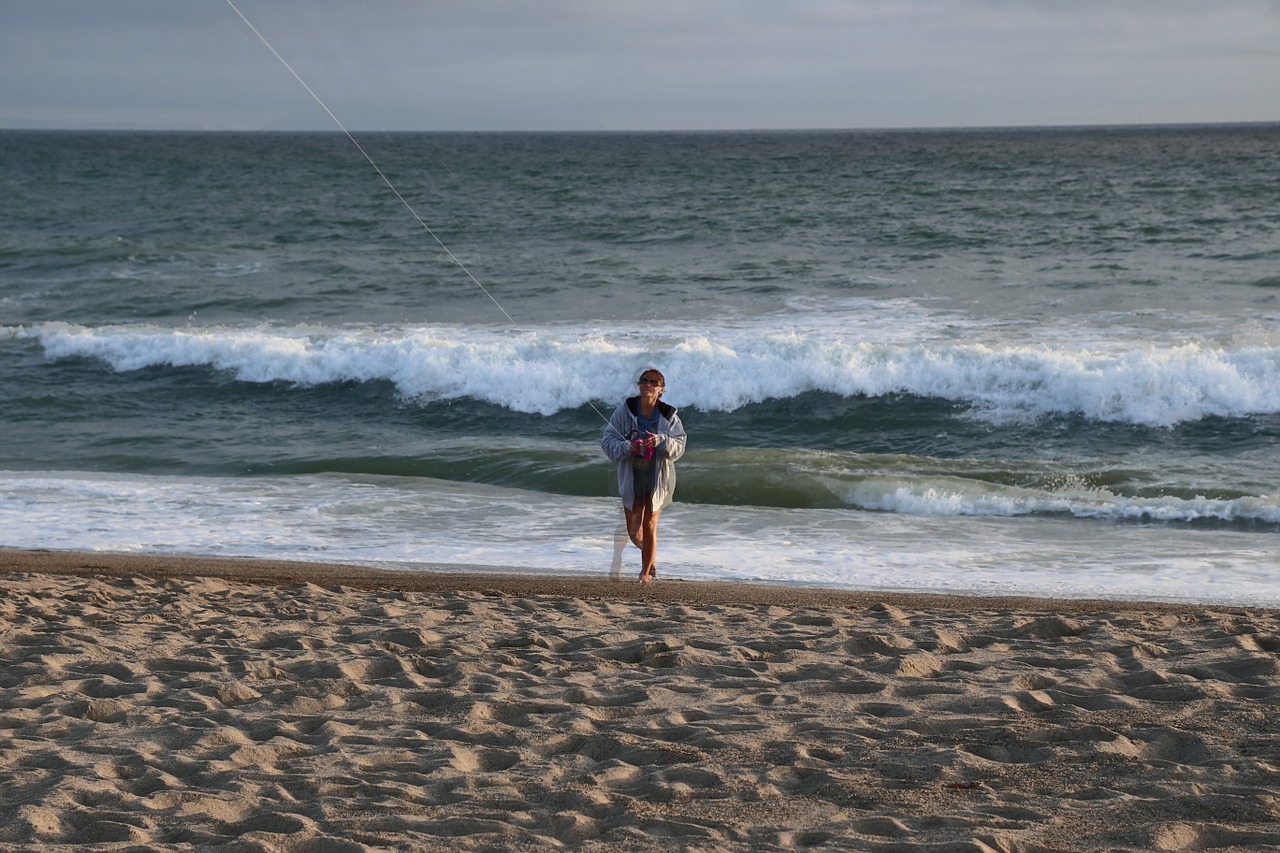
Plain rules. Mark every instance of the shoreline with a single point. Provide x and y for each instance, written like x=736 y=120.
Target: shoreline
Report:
x=186 y=703
x=257 y=570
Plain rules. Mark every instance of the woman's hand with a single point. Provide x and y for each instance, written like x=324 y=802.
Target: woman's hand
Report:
x=645 y=444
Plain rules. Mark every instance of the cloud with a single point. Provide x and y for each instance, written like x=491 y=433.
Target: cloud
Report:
x=579 y=64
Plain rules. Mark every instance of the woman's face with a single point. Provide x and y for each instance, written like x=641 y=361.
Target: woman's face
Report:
x=651 y=386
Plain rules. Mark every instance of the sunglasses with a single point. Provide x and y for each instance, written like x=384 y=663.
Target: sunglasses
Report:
x=645 y=380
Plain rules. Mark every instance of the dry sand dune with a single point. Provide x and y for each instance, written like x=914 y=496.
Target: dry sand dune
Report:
x=160 y=713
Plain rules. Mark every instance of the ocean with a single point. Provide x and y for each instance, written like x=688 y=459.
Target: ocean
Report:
x=989 y=361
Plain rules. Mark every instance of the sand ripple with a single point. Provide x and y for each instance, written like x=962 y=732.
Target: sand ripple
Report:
x=197 y=713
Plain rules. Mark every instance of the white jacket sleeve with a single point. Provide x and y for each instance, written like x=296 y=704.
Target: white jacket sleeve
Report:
x=614 y=441
x=674 y=441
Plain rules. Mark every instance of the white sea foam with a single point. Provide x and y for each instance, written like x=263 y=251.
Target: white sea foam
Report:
x=1123 y=380
x=408 y=523
x=976 y=498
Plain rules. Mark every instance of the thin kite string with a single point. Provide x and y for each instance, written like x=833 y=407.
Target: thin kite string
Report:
x=384 y=177
x=405 y=160
x=372 y=162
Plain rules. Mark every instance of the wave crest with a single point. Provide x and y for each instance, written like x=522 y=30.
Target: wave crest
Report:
x=719 y=370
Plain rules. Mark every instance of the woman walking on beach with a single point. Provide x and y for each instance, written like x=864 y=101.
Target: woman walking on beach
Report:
x=645 y=438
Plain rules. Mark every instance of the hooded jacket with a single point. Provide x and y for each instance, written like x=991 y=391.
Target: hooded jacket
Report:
x=623 y=426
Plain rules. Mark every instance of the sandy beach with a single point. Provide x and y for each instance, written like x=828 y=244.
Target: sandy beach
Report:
x=160 y=703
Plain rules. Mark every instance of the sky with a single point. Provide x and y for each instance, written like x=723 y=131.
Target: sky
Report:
x=635 y=64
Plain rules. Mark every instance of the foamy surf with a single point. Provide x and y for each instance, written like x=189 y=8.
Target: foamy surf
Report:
x=411 y=522
x=719 y=369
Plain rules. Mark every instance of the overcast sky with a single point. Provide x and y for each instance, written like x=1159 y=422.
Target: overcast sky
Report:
x=636 y=64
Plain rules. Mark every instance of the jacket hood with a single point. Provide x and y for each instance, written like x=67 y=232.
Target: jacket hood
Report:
x=665 y=409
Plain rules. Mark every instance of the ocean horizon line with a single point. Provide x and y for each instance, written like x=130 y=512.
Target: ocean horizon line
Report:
x=942 y=128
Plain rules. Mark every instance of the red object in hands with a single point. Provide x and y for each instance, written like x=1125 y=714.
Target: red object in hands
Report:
x=640 y=450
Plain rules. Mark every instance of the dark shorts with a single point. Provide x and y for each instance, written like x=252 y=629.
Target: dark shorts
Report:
x=645 y=479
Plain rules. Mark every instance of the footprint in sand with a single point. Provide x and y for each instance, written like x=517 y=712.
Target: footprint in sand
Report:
x=469 y=760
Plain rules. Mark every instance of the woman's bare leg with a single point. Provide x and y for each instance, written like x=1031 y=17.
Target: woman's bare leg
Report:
x=644 y=520
x=649 y=549
x=635 y=519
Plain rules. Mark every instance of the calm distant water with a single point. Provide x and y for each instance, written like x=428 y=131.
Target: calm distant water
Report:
x=1043 y=361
